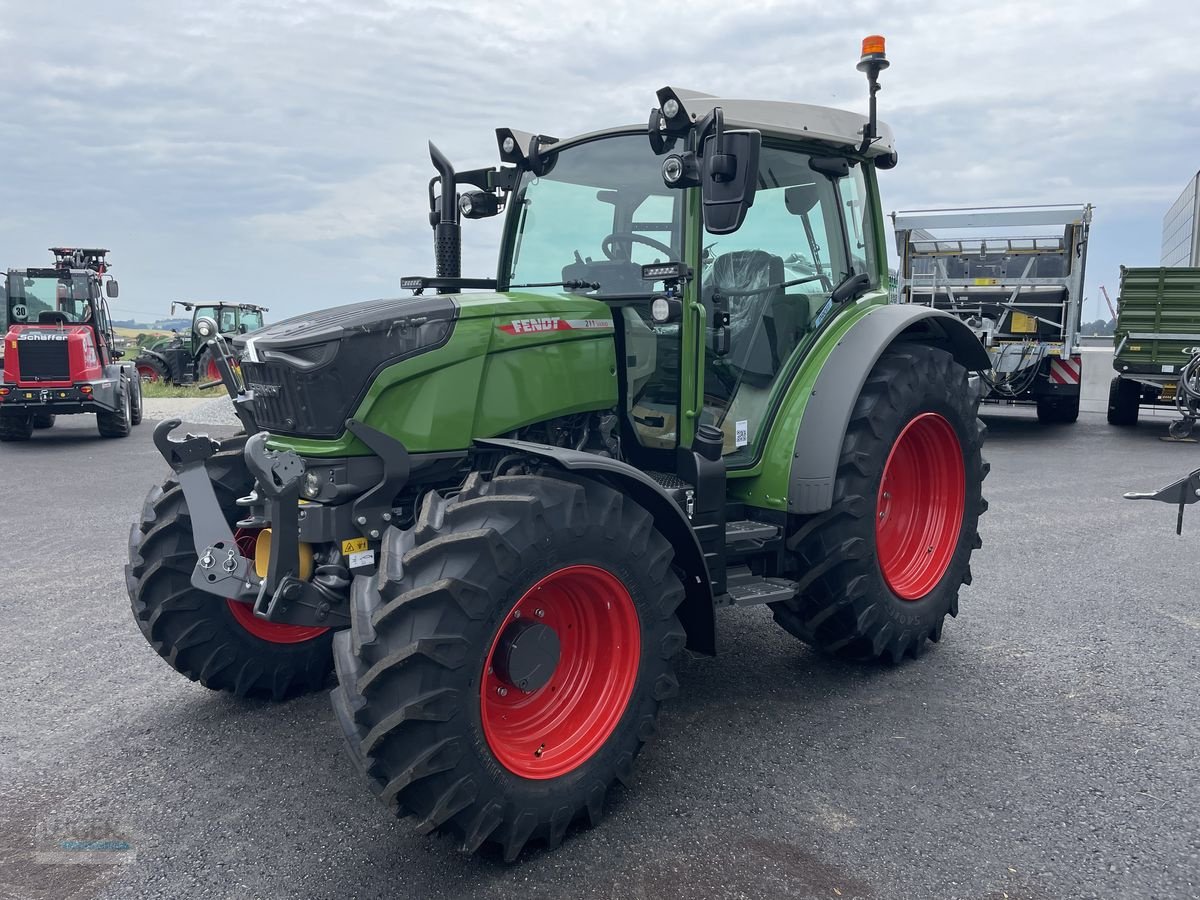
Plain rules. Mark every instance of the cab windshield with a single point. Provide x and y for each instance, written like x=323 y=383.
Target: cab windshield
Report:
x=48 y=299
x=599 y=214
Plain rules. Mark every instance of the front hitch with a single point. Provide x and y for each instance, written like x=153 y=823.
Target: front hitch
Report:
x=1181 y=493
x=220 y=567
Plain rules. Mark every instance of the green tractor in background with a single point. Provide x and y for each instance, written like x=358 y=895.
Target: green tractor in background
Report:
x=501 y=507
x=176 y=360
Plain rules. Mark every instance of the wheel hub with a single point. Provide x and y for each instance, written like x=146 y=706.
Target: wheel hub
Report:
x=526 y=655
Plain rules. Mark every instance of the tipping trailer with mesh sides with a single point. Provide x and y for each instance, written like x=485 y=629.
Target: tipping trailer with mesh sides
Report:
x=1156 y=345
x=1014 y=275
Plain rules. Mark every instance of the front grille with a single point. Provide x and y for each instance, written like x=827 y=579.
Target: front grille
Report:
x=43 y=361
x=281 y=402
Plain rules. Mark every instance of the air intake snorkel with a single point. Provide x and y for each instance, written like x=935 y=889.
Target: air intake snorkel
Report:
x=443 y=216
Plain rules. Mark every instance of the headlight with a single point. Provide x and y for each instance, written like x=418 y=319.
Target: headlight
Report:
x=312 y=485
x=206 y=327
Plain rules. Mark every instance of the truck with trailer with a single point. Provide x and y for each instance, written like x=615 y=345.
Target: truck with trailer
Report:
x=60 y=353
x=499 y=508
x=1014 y=276
x=1155 y=345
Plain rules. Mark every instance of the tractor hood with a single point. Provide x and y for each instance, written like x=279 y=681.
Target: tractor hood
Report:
x=310 y=372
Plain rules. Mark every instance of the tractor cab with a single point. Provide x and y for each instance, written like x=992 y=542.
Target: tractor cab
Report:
x=63 y=304
x=60 y=353
x=181 y=360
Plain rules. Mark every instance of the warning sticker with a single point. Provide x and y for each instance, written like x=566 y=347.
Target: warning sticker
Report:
x=354 y=545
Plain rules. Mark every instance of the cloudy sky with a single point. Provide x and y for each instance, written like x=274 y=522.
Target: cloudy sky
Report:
x=274 y=150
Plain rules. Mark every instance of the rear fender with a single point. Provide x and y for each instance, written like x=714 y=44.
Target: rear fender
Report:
x=841 y=380
x=696 y=611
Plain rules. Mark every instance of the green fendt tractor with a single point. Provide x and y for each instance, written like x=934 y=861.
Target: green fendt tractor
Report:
x=501 y=507
x=179 y=360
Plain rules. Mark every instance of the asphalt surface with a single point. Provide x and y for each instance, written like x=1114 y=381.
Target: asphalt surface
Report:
x=1048 y=747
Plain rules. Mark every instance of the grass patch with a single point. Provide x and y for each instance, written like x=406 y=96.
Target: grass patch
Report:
x=159 y=389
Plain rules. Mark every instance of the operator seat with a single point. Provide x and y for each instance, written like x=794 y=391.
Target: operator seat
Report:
x=53 y=317
x=763 y=326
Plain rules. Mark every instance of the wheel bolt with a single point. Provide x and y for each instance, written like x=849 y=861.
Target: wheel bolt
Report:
x=516 y=614
x=539 y=613
x=502 y=691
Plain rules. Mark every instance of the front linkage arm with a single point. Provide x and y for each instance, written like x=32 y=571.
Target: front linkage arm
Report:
x=1182 y=493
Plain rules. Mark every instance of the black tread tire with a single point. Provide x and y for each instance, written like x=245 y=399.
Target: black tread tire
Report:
x=203 y=360
x=135 y=406
x=16 y=427
x=843 y=605
x=116 y=424
x=410 y=664
x=1058 y=410
x=194 y=630
x=150 y=362
x=43 y=420
x=1124 y=402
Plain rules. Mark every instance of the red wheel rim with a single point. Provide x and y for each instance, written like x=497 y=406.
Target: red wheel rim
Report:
x=213 y=373
x=919 y=509
x=275 y=632
x=556 y=728
x=147 y=373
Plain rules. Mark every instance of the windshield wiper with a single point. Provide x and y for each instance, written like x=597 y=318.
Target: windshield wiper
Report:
x=569 y=285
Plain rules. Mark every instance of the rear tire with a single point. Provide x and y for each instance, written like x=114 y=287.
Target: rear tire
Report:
x=1124 y=402
x=1058 y=410
x=198 y=633
x=116 y=424
x=420 y=699
x=16 y=427
x=879 y=571
x=43 y=420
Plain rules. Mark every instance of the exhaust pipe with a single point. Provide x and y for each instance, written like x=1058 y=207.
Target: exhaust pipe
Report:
x=447 y=236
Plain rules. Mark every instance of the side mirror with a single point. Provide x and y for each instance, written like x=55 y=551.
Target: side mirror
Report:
x=729 y=178
x=111 y=289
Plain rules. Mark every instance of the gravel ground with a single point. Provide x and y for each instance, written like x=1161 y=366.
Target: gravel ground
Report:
x=195 y=410
x=1048 y=747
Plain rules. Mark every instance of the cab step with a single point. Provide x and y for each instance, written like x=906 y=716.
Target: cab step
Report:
x=747 y=589
x=750 y=532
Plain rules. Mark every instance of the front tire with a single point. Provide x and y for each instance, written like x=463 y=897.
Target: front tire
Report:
x=881 y=569
x=442 y=639
x=216 y=642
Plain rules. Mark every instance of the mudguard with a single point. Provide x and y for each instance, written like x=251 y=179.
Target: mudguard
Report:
x=827 y=413
x=696 y=613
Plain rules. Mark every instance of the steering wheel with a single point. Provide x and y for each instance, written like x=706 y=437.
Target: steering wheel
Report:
x=610 y=244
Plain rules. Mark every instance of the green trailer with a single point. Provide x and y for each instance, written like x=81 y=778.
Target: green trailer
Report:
x=1156 y=338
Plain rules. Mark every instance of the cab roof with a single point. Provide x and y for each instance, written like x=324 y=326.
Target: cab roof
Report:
x=778 y=118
